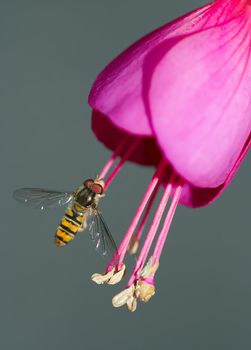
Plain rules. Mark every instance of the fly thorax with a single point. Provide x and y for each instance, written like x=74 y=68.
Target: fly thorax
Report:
x=86 y=198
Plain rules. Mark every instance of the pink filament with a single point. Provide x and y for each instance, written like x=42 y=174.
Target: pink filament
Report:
x=124 y=244
x=147 y=212
x=151 y=234
x=113 y=157
x=121 y=163
x=148 y=280
x=164 y=232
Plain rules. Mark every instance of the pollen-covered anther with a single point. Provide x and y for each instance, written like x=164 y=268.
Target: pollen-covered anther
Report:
x=102 y=278
x=117 y=276
x=133 y=245
x=132 y=303
x=144 y=290
x=150 y=268
x=124 y=297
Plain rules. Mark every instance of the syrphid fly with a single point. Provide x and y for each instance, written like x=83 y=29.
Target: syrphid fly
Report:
x=82 y=212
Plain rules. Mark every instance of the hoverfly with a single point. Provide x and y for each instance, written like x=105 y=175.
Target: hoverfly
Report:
x=82 y=212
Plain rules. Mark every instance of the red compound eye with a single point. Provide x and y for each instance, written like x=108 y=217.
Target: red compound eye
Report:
x=89 y=183
x=96 y=188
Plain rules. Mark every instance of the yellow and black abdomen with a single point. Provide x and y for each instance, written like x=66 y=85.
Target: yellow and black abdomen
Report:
x=70 y=224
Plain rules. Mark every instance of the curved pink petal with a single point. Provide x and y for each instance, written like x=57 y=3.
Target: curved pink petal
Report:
x=117 y=91
x=197 y=196
x=148 y=154
x=199 y=99
x=147 y=151
x=126 y=93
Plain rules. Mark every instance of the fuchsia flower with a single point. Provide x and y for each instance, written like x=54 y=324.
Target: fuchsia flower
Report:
x=179 y=99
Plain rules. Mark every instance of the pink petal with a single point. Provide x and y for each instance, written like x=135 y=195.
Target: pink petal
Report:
x=196 y=196
x=118 y=92
x=127 y=108
x=199 y=99
x=146 y=153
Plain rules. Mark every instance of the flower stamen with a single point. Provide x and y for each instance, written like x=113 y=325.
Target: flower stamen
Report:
x=102 y=278
x=121 y=163
x=144 y=290
x=112 y=276
x=152 y=232
x=145 y=287
x=126 y=240
x=108 y=165
x=124 y=297
x=141 y=283
x=134 y=242
x=167 y=223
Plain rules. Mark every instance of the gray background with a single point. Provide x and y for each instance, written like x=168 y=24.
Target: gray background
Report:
x=51 y=51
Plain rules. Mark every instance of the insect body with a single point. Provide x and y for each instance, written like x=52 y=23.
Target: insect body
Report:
x=82 y=212
x=85 y=200
x=72 y=222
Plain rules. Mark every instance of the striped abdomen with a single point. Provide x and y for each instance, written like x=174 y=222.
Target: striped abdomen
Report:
x=70 y=224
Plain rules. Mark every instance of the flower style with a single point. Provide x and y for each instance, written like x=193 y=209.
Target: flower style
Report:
x=179 y=99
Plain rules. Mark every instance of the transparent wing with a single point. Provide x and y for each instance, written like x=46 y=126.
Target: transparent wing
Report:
x=41 y=198
x=101 y=236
